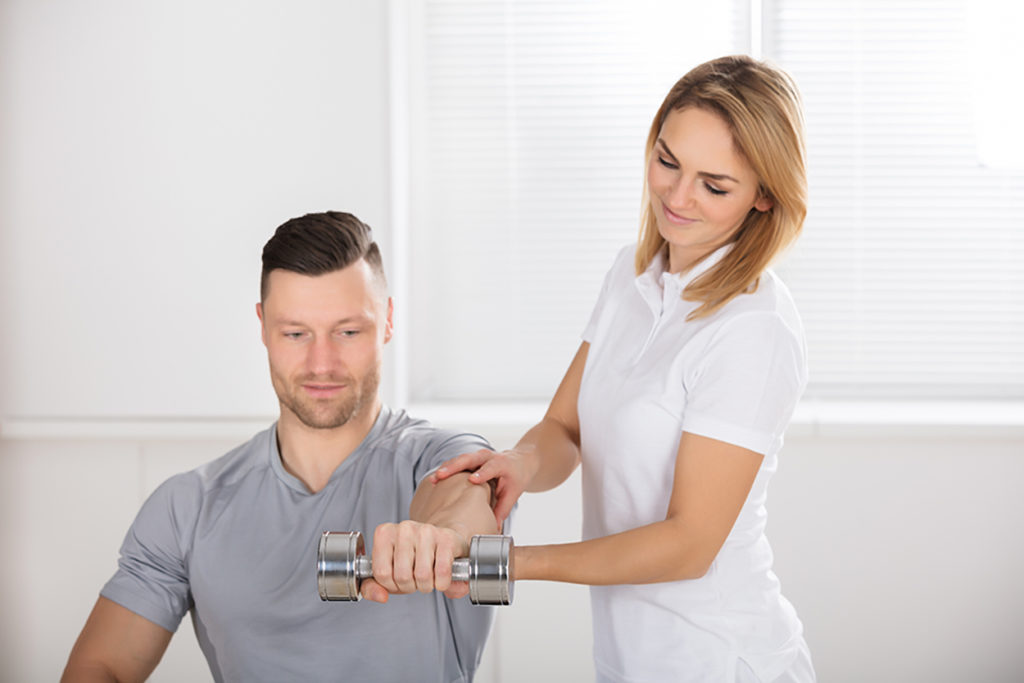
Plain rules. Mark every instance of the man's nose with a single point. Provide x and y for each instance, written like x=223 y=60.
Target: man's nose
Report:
x=323 y=357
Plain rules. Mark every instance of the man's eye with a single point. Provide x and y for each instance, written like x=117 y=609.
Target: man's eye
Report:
x=293 y=335
x=349 y=333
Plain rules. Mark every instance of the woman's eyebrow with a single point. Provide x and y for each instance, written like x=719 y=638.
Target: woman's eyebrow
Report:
x=716 y=176
x=666 y=150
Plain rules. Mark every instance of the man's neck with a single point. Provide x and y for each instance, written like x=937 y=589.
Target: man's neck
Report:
x=312 y=455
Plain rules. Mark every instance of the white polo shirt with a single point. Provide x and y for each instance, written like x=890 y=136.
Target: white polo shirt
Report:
x=650 y=375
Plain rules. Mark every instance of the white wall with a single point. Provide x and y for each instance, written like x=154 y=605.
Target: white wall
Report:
x=902 y=556
x=148 y=149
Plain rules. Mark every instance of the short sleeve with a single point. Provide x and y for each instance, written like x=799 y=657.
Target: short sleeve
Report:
x=152 y=576
x=444 y=446
x=748 y=382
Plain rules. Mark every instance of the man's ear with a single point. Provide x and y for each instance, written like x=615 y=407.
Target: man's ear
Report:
x=263 y=324
x=389 y=326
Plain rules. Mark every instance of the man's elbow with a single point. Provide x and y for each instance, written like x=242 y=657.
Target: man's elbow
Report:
x=87 y=672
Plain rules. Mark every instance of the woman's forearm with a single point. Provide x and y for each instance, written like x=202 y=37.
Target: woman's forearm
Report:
x=554 y=443
x=711 y=482
x=663 y=551
x=553 y=452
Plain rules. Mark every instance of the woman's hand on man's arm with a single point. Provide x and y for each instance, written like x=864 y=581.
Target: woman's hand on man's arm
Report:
x=544 y=457
x=509 y=472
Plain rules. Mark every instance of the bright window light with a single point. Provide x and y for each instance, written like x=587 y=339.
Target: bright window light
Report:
x=997 y=54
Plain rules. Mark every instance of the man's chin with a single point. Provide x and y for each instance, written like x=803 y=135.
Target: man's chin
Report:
x=324 y=421
x=321 y=419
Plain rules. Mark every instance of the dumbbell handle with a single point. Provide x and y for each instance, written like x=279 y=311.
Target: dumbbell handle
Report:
x=460 y=568
x=342 y=564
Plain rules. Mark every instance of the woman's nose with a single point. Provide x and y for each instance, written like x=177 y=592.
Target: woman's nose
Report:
x=681 y=194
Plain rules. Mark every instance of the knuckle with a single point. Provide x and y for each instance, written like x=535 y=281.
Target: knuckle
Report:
x=402 y=577
x=406 y=531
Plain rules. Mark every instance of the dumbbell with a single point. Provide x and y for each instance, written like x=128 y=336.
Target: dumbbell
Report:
x=342 y=564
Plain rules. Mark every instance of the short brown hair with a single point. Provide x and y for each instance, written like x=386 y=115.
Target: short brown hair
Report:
x=321 y=243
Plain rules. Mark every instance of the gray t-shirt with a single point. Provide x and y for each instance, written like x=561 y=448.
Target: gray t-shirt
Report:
x=235 y=542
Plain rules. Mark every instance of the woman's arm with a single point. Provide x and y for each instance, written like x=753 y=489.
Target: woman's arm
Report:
x=542 y=459
x=711 y=482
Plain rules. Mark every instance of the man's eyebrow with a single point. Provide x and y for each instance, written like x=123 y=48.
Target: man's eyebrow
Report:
x=703 y=174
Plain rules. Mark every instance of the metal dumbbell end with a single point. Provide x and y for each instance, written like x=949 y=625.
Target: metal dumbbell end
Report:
x=342 y=564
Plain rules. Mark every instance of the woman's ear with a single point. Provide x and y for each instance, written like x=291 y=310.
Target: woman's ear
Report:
x=764 y=203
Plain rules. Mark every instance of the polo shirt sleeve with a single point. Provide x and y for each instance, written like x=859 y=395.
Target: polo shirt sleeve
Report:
x=747 y=384
x=152 y=576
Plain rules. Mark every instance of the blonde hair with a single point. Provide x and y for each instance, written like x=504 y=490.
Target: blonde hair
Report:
x=761 y=106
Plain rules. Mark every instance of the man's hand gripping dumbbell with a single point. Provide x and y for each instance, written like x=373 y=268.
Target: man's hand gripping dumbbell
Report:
x=342 y=566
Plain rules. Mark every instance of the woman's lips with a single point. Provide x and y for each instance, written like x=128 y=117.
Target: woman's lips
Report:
x=674 y=217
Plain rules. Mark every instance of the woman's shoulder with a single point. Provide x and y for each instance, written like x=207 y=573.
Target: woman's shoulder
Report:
x=769 y=295
x=625 y=258
x=768 y=304
x=621 y=271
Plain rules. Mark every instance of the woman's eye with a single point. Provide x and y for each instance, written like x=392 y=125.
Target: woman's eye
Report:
x=714 y=190
x=666 y=163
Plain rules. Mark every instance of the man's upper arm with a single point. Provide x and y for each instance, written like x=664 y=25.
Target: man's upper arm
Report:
x=115 y=645
x=152 y=578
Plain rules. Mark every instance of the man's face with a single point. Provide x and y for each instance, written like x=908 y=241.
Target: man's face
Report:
x=325 y=338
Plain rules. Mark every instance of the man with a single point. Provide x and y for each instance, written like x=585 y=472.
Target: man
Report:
x=234 y=541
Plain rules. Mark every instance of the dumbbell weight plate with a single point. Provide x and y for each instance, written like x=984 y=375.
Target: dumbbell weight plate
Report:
x=490 y=570
x=336 y=565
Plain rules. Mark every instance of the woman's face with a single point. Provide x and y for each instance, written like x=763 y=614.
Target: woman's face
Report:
x=701 y=189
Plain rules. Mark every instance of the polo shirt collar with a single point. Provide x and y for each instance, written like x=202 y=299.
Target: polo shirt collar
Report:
x=662 y=290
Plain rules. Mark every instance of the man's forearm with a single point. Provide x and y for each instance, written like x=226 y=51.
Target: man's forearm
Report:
x=455 y=503
x=416 y=554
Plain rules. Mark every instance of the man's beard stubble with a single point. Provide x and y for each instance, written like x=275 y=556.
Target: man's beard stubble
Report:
x=328 y=414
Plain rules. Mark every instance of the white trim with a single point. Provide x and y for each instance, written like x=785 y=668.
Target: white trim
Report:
x=917 y=419
x=134 y=429
x=398 y=172
x=853 y=419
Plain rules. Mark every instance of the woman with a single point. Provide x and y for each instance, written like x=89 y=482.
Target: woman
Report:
x=678 y=397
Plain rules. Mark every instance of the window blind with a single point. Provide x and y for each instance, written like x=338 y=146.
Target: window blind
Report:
x=527 y=127
x=909 y=273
